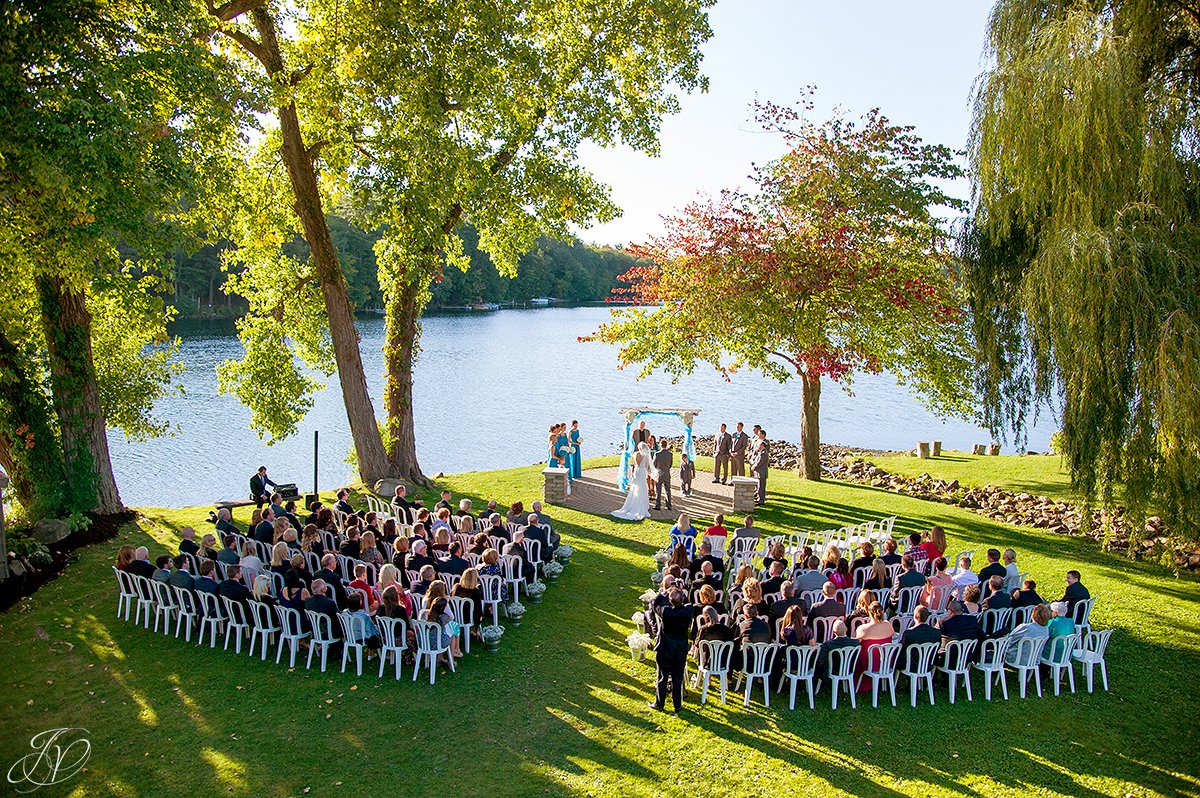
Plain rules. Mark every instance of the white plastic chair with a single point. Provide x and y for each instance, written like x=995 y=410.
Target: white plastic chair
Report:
x=291 y=631
x=493 y=595
x=800 y=664
x=145 y=599
x=166 y=607
x=322 y=637
x=1081 y=613
x=1057 y=657
x=1025 y=658
x=848 y=595
x=1091 y=653
x=939 y=597
x=127 y=595
x=1020 y=615
x=188 y=608
x=907 y=599
x=842 y=662
x=823 y=628
x=957 y=662
x=237 y=623
x=994 y=620
x=264 y=626
x=991 y=665
x=881 y=669
x=713 y=660
x=463 y=611
x=918 y=667
x=811 y=597
x=213 y=619
x=354 y=636
x=510 y=567
x=429 y=647
x=394 y=634
x=758 y=659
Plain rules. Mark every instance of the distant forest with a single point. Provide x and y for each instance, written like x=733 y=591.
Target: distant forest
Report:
x=569 y=271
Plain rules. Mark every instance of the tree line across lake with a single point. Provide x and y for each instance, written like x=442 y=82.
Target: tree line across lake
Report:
x=571 y=271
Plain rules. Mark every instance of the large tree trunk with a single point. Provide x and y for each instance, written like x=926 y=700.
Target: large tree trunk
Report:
x=810 y=426
x=398 y=351
x=76 y=396
x=368 y=445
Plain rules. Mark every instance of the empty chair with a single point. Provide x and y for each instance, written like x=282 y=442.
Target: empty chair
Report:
x=918 y=667
x=322 y=637
x=957 y=662
x=881 y=669
x=166 y=607
x=842 y=662
x=1090 y=653
x=394 y=635
x=759 y=658
x=354 y=636
x=1024 y=657
x=883 y=595
x=991 y=665
x=429 y=647
x=713 y=660
x=995 y=620
x=264 y=626
x=462 y=610
x=953 y=569
x=213 y=619
x=810 y=597
x=800 y=664
x=1057 y=657
x=127 y=594
x=510 y=567
x=237 y=623
x=291 y=630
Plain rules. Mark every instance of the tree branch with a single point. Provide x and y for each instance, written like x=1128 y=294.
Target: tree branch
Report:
x=248 y=43
x=233 y=8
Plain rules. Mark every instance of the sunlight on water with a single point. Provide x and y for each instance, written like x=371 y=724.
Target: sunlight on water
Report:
x=486 y=388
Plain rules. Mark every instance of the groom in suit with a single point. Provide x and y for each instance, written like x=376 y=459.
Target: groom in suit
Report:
x=741 y=442
x=721 y=448
x=663 y=460
x=760 y=457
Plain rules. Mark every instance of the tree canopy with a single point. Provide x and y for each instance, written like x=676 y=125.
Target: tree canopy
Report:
x=1083 y=251
x=836 y=265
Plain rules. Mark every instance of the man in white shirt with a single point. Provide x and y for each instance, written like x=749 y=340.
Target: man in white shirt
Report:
x=965 y=576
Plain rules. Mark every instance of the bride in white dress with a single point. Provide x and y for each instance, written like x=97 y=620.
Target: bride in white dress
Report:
x=637 y=500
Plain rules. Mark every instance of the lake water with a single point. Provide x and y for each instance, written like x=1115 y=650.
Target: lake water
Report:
x=529 y=371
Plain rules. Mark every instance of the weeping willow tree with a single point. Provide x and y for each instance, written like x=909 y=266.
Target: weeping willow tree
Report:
x=1083 y=251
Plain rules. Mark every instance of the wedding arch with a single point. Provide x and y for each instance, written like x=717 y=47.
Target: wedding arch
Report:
x=634 y=414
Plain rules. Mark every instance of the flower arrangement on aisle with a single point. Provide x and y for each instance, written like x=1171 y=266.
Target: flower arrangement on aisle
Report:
x=514 y=610
x=647 y=597
x=639 y=643
x=639 y=618
x=535 y=590
x=656 y=578
x=563 y=553
x=552 y=571
x=491 y=635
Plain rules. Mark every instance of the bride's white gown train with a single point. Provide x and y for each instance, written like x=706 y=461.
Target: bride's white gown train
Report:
x=637 y=499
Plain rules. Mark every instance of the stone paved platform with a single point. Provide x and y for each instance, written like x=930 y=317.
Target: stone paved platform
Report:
x=596 y=492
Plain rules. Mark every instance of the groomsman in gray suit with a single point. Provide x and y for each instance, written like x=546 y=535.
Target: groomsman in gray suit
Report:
x=760 y=457
x=663 y=460
x=721 y=448
x=741 y=441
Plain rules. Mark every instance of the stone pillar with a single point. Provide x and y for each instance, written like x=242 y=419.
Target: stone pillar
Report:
x=743 y=494
x=923 y=450
x=936 y=449
x=994 y=449
x=555 y=490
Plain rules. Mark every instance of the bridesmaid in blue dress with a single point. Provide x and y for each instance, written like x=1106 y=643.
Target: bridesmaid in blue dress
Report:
x=551 y=445
x=562 y=444
x=576 y=458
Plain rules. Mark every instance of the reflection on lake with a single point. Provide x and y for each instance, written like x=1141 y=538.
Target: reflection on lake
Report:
x=525 y=369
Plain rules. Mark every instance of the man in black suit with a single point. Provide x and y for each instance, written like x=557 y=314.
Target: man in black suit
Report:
x=533 y=531
x=841 y=639
x=258 y=487
x=760 y=462
x=141 y=564
x=706 y=555
x=426 y=577
x=331 y=577
x=225 y=523
x=774 y=581
x=722 y=447
x=780 y=606
x=443 y=502
x=497 y=528
x=662 y=460
x=343 y=502
x=670 y=649
x=265 y=531
x=517 y=549
x=641 y=434
x=865 y=559
x=889 y=556
x=233 y=588
x=997 y=599
x=187 y=542
x=455 y=564
x=919 y=632
x=706 y=576
x=205 y=583
x=229 y=554
x=320 y=602
x=351 y=548
x=958 y=624
x=401 y=499
x=828 y=606
x=180 y=576
x=1075 y=593
x=993 y=568
x=418 y=557
x=1027 y=596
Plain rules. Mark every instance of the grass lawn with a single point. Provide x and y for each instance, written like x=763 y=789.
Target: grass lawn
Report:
x=1041 y=475
x=561 y=710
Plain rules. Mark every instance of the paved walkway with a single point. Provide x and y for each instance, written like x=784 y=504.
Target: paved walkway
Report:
x=596 y=492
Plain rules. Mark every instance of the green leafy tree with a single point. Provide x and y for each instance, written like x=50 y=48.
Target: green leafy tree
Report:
x=838 y=264
x=431 y=114
x=1083 y=251
x=116 y=120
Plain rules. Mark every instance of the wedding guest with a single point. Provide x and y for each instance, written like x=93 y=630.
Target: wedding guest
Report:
x=831 y=557
x=311 y=541
x=369 y=633
x=162 y=569
x=916 y=550
x=840 y=639
x=794 y=631
x=353 y=545
x=314 y=512
x=360 y=583
x=256 y=518
x=777 y=553
x=1060 y=625
x=939 y=579
x=516 y=514
x=828 y=606
x=993 y=568
x=865 y=599
x=395 y=603
x=343 y=502
x=889 y=556
x=875 y=632
x=497 y=528
x=425 y=577
x=774 y=581
x=997 y=599
x=208 y=547
x=706 y=555
x=329 y=574
x=180 y=576
x=455 y=563
x=205 y=583
x=841 y=577
x=748 y=530
x=293 y=596
x=878 y=579
x=787 y=599
x=684 y=528
x=441 y=542
x=517 y=549
x=960 y=624
x=965 y=576
x=418 y=558
x=224 y=523
x=543 y=519
x=865 y=558
x=534 y=531
x=934 y=544
x=919 y=632
x=468 y=588
x=140 y=564
x=1075 y=591
x=187 y=543
x=229 y=553
x=670 y=650
x=1036 y=627
x=444 y=501
x=401 y=500
x=233 y=588
x=717 y=530
x=261 y=591
x=251 y=565
x=810 y=578
x=480 y=543
x=744 y=572
x=1027 y=595
x=970 y=598
x=320 y=603
x=1012 y=574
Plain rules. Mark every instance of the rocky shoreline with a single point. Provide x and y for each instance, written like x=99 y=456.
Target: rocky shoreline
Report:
x=851 y=464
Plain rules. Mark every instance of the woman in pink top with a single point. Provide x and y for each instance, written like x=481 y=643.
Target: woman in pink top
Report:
x=939 y=579
x=841 y=577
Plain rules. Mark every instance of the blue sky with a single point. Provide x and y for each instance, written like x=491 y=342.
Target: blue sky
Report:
x=915 y=59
